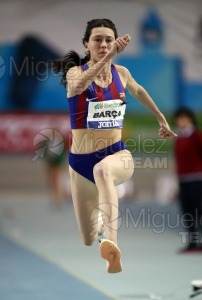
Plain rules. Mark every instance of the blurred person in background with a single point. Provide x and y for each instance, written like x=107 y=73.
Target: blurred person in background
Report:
x=58 y=179
x=188 y=157
x=57 y=173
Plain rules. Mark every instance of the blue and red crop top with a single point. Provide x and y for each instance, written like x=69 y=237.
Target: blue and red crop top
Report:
x=99 y=108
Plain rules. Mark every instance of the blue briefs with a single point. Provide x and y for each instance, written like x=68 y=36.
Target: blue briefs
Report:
x=84 y=163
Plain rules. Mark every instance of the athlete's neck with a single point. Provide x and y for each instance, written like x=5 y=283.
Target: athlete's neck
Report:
x=106 y=71
x=105 y=74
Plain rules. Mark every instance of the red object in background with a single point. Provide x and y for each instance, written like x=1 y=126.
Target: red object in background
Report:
x=188 y=154
x=18 y=130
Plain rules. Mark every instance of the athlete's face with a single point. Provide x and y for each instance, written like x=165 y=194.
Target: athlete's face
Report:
x=100 y=42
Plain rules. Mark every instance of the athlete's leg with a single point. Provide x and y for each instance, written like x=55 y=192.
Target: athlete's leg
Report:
x=85 y=201
x=110 y=171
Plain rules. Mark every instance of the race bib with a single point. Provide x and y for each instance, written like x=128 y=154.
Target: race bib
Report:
x=105 y=114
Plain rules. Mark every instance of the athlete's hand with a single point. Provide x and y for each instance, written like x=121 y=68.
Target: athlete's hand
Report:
x=120 y=44
x=165 y=131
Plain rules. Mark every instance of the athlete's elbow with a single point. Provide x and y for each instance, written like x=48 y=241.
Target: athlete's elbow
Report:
x=139 y=91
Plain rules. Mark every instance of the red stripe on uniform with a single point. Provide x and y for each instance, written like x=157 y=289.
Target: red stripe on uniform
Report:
x=99 y=93
x=119 y=77
x=114 y=91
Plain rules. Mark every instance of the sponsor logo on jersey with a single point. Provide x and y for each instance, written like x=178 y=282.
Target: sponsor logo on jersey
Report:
x=122 y=96
x=87 y=99
x=101 y=105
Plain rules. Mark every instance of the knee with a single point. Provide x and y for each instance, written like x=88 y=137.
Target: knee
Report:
x=101 y=171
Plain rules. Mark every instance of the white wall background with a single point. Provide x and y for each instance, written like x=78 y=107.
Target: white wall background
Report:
x=62 y=24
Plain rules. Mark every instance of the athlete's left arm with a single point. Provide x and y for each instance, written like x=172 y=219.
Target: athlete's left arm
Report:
x=138 y=92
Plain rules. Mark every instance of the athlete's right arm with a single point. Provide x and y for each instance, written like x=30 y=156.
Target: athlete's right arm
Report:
x=79 y=80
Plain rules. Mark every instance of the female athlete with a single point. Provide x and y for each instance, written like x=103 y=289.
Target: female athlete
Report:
x=99 y=160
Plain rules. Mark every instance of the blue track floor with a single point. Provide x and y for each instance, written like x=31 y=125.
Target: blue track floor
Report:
x=25 y=276
x=42 y=256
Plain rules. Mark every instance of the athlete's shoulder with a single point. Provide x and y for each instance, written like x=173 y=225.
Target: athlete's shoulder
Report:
x=74 y=71
x=122 y=70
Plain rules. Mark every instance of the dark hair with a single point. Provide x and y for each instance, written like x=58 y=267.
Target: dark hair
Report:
x=72 y=58
x=185 y=112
